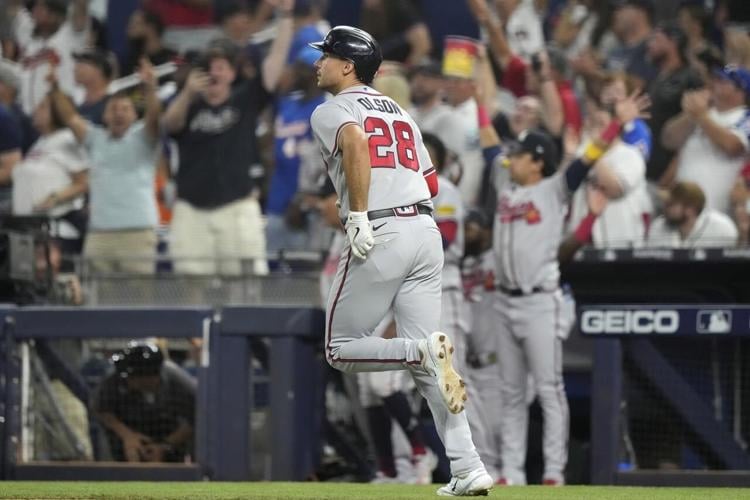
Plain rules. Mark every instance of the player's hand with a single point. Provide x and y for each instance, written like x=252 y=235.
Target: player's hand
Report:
x=632 y=107
x=134 y=445
x=197 y=81
x=359 y=231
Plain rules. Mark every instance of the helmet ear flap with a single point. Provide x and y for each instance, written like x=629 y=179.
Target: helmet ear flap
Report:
x=353 y=67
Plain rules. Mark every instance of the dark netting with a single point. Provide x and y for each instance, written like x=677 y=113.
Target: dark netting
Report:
x=108 y=400
x=655 y=434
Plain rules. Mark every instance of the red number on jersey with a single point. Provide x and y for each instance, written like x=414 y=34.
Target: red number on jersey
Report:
x=407 y=152
x=381 y=139
x=379 y=143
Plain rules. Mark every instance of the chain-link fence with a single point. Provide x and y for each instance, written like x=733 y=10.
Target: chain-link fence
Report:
x=292 y=280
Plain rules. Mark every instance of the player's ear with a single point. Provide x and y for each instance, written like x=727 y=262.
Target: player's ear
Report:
x=348 y=68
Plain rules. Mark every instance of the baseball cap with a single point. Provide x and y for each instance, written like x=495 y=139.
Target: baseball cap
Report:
x=9 y=74
x=99 y=58
x=540 y=146
x=736 y=74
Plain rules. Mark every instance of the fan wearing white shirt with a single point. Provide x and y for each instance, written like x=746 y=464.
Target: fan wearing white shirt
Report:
x=621 y=175
x=712 y=135
x=523 y=27
x=688 y=223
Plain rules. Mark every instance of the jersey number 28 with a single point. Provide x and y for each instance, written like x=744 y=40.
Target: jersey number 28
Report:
x=381 y=141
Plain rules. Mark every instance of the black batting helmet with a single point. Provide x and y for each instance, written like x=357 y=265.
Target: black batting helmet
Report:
x=355 y=45
x=138 y=359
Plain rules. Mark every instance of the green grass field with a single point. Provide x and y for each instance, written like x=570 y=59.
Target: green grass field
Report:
x=335 y=491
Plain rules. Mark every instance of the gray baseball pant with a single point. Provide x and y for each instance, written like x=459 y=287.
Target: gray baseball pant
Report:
x=530 y=340
x=403 y=271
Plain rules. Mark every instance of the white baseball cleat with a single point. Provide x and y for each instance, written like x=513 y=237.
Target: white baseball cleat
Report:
x=475 y=483
x=437 y=360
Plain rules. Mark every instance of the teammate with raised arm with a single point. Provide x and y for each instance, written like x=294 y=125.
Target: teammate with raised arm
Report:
x=394 y=258
x=527 y=232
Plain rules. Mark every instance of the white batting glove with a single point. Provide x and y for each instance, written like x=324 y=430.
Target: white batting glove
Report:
x=359 y=231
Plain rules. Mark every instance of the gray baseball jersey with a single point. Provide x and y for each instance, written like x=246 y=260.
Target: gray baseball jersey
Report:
x=403 y=270
x=528 y=230
x=527 y=233
x=449 y=216
x=397 y=154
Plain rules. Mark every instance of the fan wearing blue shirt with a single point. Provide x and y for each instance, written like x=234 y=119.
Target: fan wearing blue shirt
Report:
x=293 y=146
x=123 y=156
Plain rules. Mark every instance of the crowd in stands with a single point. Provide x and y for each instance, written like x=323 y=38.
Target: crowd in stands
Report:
x=223 y=157
x=198 y=132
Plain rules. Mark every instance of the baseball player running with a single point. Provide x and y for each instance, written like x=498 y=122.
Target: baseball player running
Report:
x=527 y=233
x=384 y=180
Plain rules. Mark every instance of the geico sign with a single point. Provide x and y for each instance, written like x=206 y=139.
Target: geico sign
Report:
x=630 y=321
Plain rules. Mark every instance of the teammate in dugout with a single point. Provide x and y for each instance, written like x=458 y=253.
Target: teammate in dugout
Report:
x=527 y=232
x=456 y=320
x=478 y=280
x=384 y=179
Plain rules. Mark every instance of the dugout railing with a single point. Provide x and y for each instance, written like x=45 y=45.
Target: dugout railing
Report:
x=674 y=325
x=222 y=436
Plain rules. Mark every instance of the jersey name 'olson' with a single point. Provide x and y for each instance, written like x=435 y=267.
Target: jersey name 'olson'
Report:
x=382 y=105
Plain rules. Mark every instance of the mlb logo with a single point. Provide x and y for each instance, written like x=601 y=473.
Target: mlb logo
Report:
x=719 y=321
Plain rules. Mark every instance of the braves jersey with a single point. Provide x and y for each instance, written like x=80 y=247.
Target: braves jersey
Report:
x=527 y=233
x=478 y=277
x=449 y=216
x=398 y=157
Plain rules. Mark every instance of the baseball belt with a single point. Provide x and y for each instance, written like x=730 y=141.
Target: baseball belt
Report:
x=406 y=211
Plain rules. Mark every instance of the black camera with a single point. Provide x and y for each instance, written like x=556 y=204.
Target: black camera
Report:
x=536 y=63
